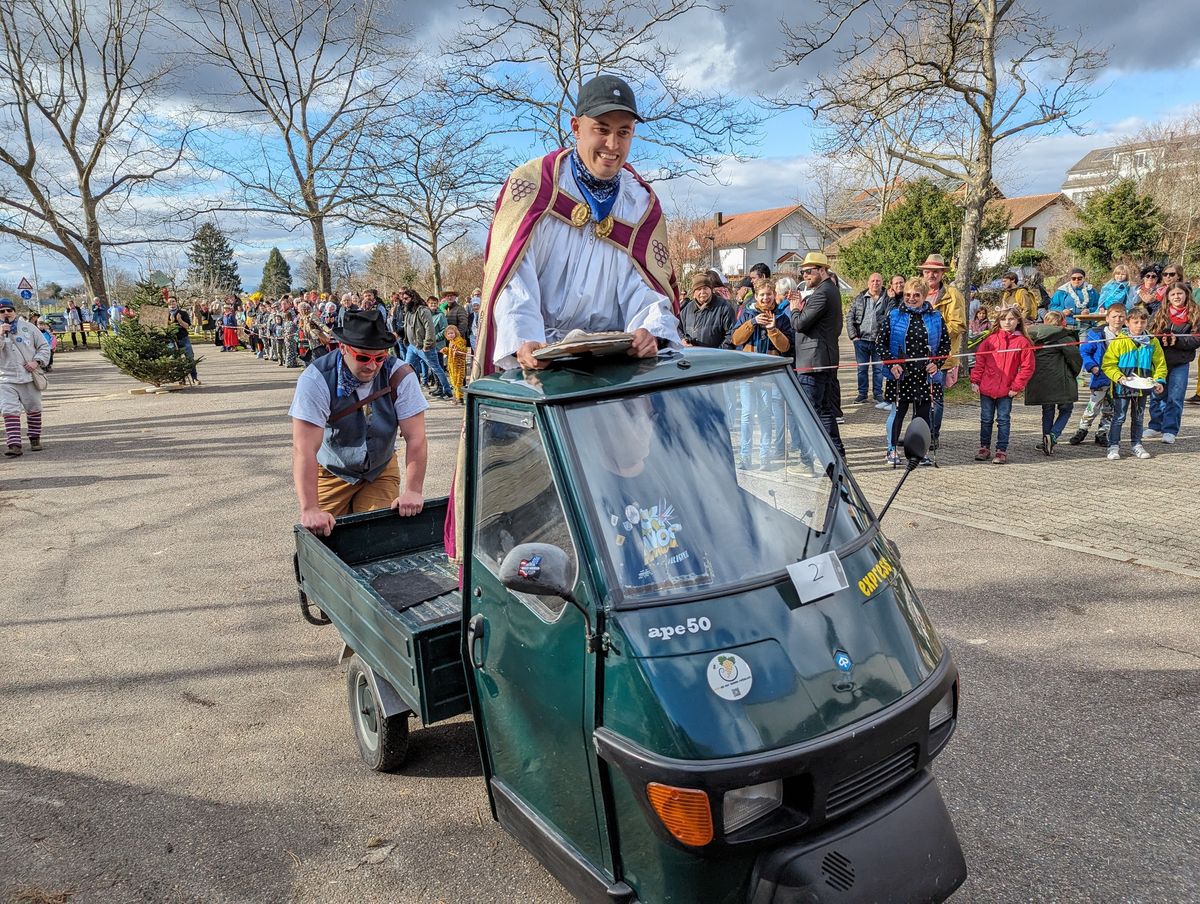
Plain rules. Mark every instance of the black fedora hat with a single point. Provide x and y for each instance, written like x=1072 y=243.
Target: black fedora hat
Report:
x=364 y=329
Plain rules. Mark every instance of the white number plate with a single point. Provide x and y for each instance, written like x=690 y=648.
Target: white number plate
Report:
x=818 y=577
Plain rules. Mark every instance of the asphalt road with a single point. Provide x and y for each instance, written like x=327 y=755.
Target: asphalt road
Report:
x=170 y=730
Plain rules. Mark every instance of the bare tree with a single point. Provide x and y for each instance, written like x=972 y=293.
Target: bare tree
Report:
x=1170 y=174
x=311 y=75
x=77 y=88
x=390 y=265
x=859 y=154
x=524 y=62
x=432 y=177
x=943 y=83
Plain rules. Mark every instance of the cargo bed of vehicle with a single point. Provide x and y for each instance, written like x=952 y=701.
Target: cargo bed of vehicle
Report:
x=387 y=586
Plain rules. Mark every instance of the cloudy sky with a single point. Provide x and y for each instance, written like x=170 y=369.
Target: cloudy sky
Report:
x=1148 y=78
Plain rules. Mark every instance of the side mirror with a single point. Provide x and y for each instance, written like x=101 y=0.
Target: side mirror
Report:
x=539 y=569
x=916 y=447
x=916 y=439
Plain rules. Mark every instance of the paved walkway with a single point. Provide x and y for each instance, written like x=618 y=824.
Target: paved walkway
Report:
x=170 y=730
x=1077 y=500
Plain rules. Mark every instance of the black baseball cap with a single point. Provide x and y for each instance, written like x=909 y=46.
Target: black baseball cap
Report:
x=604 y=94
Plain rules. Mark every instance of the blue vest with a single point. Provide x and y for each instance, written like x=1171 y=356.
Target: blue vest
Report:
x=898 y=322
x=356 y=448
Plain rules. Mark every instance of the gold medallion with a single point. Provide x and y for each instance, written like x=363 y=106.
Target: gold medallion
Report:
x=605 y=227
x=580 y=214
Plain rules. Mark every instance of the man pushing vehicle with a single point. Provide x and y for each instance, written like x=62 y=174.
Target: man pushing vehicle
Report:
x=346 y=413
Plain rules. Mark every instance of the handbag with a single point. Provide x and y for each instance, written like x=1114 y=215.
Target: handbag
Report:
x=951 y=375
x=40 y=380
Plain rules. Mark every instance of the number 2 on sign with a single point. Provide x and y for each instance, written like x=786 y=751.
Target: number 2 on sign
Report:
x=818 y=577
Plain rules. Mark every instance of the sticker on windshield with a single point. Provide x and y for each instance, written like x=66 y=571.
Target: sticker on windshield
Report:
x=729 y=676
x=818 y=577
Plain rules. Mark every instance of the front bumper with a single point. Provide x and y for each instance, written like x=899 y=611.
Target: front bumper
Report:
x=902 y=848
x=824 y=779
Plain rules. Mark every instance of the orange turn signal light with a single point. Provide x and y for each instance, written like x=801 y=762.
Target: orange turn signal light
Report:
x=684 y=811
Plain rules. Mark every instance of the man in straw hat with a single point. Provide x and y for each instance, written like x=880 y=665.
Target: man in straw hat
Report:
x=818 y=324
x=948 y=302
x=349 y=406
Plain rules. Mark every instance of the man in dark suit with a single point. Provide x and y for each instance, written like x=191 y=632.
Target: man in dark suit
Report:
x=818 y=325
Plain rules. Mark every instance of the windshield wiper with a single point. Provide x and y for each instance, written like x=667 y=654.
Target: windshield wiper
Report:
x=836 y=472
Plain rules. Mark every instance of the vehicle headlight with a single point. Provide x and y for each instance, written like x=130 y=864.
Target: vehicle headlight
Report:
x=744 y=805
x=943 y=710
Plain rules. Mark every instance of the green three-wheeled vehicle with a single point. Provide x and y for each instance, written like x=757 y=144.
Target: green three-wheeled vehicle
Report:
x=696 y=668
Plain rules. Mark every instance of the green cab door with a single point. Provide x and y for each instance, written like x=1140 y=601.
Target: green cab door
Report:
x=527 y=657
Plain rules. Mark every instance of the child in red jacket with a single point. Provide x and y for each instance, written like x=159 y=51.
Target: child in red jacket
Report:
x=1004 y=363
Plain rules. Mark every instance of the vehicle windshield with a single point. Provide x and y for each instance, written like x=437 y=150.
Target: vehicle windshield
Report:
x=700 y=488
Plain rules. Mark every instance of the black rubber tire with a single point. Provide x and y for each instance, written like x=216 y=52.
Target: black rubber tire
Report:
x=382 y=741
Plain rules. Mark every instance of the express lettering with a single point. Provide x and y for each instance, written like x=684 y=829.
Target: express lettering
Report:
x=691 y=626
x=876 y=576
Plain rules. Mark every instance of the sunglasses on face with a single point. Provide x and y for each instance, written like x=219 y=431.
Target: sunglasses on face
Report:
x=1170 y=273
x=1153 y=276
x=1076 y=279
x=367 y=359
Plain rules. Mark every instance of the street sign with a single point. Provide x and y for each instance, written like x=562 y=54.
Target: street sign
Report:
x=26 y=294
x=24 y=285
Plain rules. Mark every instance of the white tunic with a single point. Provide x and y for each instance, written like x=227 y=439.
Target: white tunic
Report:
x=569 y=279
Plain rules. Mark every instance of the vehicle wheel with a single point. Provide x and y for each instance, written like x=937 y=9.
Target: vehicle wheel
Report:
x=382 y=741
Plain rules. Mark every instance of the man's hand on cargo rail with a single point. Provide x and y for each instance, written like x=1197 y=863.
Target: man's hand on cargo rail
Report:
x=317 y=521
x=644 y=344
x=408 y=503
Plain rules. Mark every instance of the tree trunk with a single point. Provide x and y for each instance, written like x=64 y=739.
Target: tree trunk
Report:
x=975 y=202
x=320 y=256
x=436 y=261
x=92 y=272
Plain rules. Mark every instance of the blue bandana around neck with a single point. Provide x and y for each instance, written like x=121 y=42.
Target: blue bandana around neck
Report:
x=1142 y=339
x=347 y=383
x=599 y=194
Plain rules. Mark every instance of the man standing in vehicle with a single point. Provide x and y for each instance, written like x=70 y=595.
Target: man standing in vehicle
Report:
x=349 y=406
x=578 y=242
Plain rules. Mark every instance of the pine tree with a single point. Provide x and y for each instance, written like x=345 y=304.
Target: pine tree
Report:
x=276 y=275
x=212 y=269
x=1117 y=223
x=142 y=352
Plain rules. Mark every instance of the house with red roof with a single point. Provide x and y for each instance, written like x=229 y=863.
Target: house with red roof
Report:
x=736 y=242
x=1032 y=221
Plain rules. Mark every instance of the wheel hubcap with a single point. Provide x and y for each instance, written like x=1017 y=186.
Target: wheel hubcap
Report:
x=368 y=715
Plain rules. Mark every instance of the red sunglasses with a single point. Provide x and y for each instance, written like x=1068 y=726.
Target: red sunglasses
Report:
x=364 y=359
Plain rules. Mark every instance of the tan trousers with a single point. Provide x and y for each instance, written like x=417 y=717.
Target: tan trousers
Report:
x=339 y=498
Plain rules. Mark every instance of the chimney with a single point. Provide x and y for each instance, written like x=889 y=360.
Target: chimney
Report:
x=720 y=218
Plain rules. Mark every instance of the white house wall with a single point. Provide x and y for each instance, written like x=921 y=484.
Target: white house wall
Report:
x=1047 y=222
x=740 y=258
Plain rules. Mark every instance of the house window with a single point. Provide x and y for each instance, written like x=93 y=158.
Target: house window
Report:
x=789 y=242
x=1027 y=236
x=761 y=245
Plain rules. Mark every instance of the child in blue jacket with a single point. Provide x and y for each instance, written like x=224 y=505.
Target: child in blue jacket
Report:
x=1100 y=401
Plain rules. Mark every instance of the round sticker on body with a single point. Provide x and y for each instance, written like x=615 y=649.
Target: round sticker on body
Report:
x=729 y=676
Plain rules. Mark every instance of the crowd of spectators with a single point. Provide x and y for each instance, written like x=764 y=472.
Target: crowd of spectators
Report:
x=1133 y=344
x=436 y=335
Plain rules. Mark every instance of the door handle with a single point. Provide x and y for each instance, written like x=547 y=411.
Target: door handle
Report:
x=475 y=628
